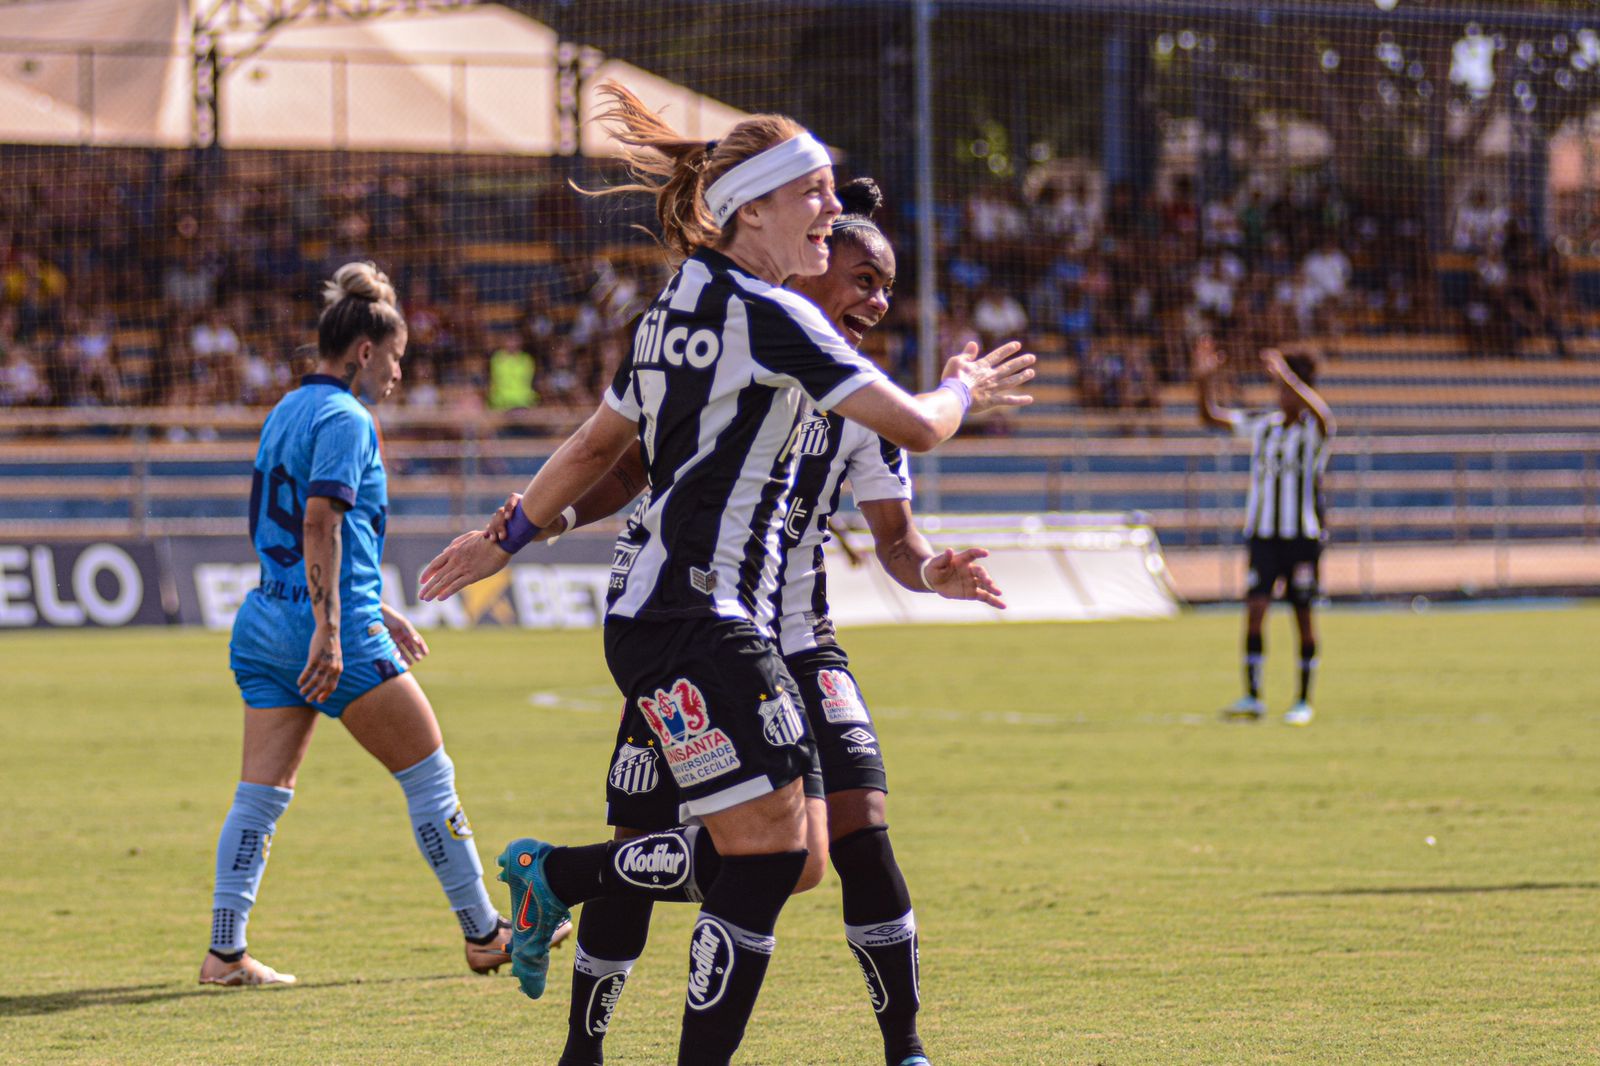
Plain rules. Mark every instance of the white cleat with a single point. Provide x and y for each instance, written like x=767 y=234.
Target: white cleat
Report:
x=246 y=973
x=1246 y=709
x=1299 y=714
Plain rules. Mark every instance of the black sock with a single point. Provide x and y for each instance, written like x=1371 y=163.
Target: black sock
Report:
x=729 y=951
x=612 y=931
x=1308 y=664
x=676 y=865
x=1253 y=658
x=882 y=931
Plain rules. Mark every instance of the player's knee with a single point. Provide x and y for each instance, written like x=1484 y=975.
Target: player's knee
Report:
x=852 y=810
x=773 y=823
x=811 y=874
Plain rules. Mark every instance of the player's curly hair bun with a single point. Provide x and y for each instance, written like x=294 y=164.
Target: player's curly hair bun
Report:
x=860 y=198
x=359 y=302
x=363 y=280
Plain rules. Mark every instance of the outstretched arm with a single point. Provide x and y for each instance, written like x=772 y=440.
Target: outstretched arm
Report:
x=1278 y=367
x=908 y=557
x=1205 y=363
x=626 y=479
x=582 y=460
x=971 y=383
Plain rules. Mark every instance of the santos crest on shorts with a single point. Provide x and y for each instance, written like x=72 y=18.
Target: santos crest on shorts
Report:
x=832 y=450
x=1287 y=460
x=717 y=377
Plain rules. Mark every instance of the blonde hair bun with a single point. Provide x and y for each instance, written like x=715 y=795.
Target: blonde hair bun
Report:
x=362 y=280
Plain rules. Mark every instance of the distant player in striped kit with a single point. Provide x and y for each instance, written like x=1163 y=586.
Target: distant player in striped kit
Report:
x=1284 y=523
x=713 y=388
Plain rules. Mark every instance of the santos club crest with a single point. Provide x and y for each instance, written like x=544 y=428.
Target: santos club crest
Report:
x=780 y=721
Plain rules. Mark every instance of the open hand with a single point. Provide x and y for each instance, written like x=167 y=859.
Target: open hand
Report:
x=1273 y=362
x=324 y=665
x=1206 y=359
x=991 y=378
x=406 y=638
x=470 y=557
x=957 y=576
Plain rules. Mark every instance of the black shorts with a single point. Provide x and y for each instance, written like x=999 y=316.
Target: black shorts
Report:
x=1292 y=561
x=712 y=720
x=847 y=741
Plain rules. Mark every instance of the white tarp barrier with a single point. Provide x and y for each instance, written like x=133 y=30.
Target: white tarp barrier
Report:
x=1088 y=575
x=481 y=79
x=120 y=72
x=109 y=72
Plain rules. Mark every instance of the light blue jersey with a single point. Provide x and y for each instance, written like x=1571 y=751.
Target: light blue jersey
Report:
x=318 y=441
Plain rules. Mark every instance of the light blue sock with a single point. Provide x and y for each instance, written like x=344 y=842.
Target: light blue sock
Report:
x=445 y=839
x=242 y=858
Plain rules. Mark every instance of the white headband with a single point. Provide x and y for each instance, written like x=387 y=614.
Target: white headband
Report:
x=763 y=172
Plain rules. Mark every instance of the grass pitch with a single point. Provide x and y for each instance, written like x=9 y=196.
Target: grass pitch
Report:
x=1103 y=872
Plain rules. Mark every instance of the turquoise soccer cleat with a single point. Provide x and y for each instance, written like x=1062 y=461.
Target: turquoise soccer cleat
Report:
x=536 y=912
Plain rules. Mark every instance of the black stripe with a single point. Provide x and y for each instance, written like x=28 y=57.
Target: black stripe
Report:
x=890 y=453
x=810 y=478
x=773 y=493
x=819 y=588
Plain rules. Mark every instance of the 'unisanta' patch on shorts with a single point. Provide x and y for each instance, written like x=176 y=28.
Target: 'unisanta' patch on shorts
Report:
x=841 y=702
x=694 y=751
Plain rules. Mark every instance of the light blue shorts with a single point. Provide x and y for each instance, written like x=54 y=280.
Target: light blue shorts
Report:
x=266 y=681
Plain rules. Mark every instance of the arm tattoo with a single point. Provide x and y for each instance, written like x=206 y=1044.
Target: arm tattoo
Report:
x=900 y=551
x=321 y=601
x=626 y=479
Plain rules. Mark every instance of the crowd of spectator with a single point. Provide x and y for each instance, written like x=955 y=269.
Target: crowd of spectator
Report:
x=168 y=278
x=1126 y=280
x=140 y=278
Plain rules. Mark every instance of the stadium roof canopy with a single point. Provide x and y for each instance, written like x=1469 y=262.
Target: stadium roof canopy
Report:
x=468 y=78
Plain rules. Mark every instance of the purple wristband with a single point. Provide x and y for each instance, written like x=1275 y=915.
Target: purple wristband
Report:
x=964 y=394
x=519 y=531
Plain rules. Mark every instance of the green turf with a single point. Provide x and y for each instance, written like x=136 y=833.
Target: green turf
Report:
x=1103 y=872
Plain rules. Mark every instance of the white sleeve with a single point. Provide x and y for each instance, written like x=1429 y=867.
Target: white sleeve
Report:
x=798 y=347
x=1244 y=423
x=877 y=469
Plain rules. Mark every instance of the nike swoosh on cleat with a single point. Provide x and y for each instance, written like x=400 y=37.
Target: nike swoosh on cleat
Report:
x=523 y=925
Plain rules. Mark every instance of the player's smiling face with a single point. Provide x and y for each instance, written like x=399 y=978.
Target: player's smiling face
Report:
x=792 y=224
x=854 y=293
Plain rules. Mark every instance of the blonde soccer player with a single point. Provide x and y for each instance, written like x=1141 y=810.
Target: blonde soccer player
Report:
x=721 y=369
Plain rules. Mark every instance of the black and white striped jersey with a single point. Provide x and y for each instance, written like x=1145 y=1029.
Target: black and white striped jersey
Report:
x=832 y=451
x=721 y=367
x=1287 y=460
